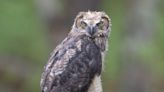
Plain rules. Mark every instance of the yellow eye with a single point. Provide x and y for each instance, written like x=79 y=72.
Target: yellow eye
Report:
x=83 y=25
x=100 y=25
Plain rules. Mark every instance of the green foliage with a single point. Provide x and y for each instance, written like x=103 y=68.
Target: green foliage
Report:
x=21 y=36
x=20 y=31
x=116 y=14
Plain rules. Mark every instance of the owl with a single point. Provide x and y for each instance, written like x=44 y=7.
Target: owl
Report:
x=75 y=65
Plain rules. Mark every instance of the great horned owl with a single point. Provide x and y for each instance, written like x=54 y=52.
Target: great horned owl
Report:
x=76 y=64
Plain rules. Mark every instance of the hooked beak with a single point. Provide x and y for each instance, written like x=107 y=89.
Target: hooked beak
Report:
x=91 y=30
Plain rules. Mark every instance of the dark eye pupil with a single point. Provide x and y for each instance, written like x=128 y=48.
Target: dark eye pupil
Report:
x=100 y=25
x=83 y=24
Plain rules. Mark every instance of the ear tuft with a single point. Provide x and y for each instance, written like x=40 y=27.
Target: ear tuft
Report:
x=78 y=18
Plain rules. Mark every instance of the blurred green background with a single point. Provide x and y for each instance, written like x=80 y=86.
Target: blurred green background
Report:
x=30 y=30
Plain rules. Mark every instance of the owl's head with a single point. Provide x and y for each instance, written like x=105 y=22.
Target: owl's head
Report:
x=93 y=24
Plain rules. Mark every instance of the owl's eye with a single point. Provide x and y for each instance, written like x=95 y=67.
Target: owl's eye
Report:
x=83 y=24
x=100 y=25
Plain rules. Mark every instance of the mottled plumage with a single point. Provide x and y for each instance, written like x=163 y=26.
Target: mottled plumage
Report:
x=76 y=64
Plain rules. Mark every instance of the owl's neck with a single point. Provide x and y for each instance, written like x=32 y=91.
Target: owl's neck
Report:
x=101 y=43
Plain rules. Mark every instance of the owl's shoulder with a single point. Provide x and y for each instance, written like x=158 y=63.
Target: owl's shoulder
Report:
x=74 y=56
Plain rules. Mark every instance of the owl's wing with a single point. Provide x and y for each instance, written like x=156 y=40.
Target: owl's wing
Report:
x=72 y=66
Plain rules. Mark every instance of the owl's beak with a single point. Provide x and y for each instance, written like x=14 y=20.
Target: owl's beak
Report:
x=91 y=30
